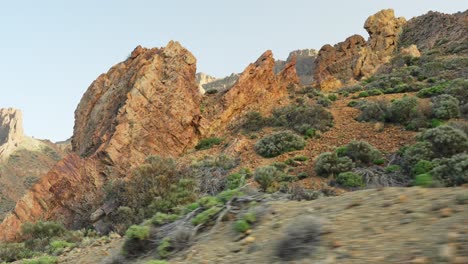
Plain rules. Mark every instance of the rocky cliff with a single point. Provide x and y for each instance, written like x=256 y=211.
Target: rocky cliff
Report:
x=258 y=88
x=221 y=84
x=23 y=160
x=305 y=64
x=355 y=58
x=132 y=111
x=11 y=130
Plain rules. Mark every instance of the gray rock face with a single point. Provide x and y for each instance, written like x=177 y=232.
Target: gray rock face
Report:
x=11 y=129
x=305 y=64
x=221 y=84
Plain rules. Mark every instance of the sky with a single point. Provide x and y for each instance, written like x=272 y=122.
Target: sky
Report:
x=51 y=51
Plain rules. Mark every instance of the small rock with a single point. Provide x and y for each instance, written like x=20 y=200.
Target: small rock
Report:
x=402 y=198
x=248 y=240
x=114 y=235
x=235 y=248
x=405 y=221
x=446 y=212
x=248 y=232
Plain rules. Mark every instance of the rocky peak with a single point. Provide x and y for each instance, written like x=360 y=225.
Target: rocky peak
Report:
x=305 y=64
x=349 y=61
x=11 y=129
x=258 y=88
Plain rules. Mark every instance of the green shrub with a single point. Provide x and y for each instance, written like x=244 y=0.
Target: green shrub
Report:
x=330 y=164
x=253 y=121
x=164 y=248
x=302 y=118
x=157 y=262
x=401 y=111
x=279 y=143
x=208 y=143
x=206 y=216
x=10 y=252
x=241 y=226
x=422 y=167
x=235 y=181
x=302 y=175
x=324 y=101
x=161 y=218
x=379 y=161
x=227 y=195
x=280 y=165
x=287 y=178
x=363 y=94
x=349 y=179
x=361 y=152
x=41 y=260
x=250 y=217
x=341 y=151
x=57 y=246
x=445 y=106
x=332 y=97
x=424 y=180
x=266 y=176
x=446 y=141
x=42 y=230
x=458 y=88
x=451 y=171
x=432 y=91
x=372 y=111
x=300 y=158
x=138 y=232
x=353 y=103
x=209 y=201
x=392 y=168
x=435 y=123
x=374 y=92
x=416 y=152
x=193 y=206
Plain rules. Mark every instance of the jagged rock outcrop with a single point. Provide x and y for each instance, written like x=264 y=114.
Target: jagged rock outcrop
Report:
x=448 y=33
x=221 y=84
x=148 y=104
x=305 y=64
x=258 y=88
x=202 y=79
x=355 y=58
x=11 y=130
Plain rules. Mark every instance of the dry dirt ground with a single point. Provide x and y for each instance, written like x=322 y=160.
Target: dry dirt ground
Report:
x=390 y=225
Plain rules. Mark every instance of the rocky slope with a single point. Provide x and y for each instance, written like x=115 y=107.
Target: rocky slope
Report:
x=221 y=84
x=23 y=160
x=391 y=225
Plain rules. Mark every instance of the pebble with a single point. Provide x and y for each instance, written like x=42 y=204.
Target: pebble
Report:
x=248 y=240
x=402 y=198
x=446 y=212
x=452 y=236
x=336 y=244
x=447 y=252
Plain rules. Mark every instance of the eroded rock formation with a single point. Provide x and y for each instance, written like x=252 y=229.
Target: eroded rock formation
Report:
x=11 y=130
x=258 y=88
x=148 y=104
x=355 y=58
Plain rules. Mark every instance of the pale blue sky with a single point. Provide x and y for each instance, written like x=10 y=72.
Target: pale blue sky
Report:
x=51 y=51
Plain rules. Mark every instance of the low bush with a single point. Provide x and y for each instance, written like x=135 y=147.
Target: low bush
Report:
x=446 y=141
x=350 y=179
x=241 y=226
x=451 y=171
x=10 y=252
x=41 y=260
x=266 y=176
x=392 y=168
x=424 y=180
x=329 y=164
x=276 y=144
x=157 y=262
x=363 y=94
x=445 y=107
x=402 y=110
x=458 y=88
x=37 y=236
x=300 y=240
x=227 y=195
x=422 y=167
x=372 y=111
x=208 y=143
x=361 y=152
x=138 y=232
x=302 y=118
x=205 y=217
x=164 y=248
x=332 y=97
x=161 y=218
x=416 y=152
x=324 y=101
x=253 y=121
x=235 y=181
x=57 y=246
x=432 y=91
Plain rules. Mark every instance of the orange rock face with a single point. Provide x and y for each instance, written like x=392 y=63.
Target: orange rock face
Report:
x=258 y=88
x=355 y=58
x=148 y=104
